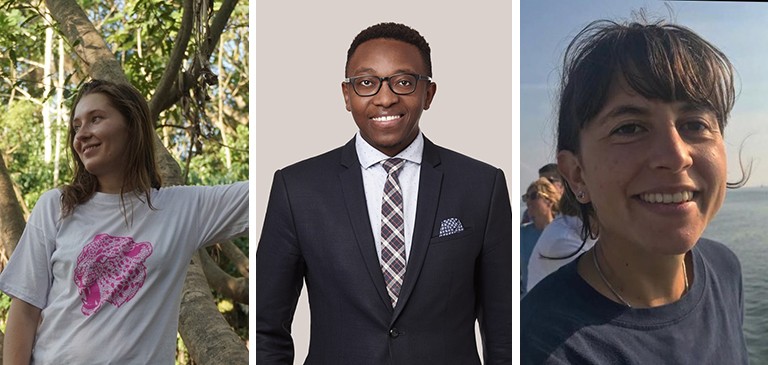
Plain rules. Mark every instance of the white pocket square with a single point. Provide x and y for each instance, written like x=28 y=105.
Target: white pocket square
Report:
x=450 y=226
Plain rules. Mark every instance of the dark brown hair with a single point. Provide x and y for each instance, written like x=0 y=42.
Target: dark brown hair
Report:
x=141 y=174
x=659 y=61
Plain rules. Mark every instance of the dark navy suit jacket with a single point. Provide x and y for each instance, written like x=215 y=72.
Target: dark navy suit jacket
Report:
x=317 y=230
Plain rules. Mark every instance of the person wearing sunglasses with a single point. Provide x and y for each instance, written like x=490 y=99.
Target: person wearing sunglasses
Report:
x=541 y=200
x=548 y=171
x=560 y=243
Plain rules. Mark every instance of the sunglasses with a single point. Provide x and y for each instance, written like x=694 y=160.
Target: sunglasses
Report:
x=530 y=196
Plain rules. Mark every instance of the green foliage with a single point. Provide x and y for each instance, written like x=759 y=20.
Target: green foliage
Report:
x=5 y=306
x=143 y=35
x=21 y=141
x=182 y=356
x=234 y=315
x=22 y=32
x=209 y=167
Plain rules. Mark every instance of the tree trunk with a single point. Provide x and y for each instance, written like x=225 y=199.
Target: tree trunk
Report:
x=213 y=344
x=47 y=81
x=223 y=283
x=11 y=216
x=2 y=339
x=20 y=200
x=236 y=256
x=86 y=40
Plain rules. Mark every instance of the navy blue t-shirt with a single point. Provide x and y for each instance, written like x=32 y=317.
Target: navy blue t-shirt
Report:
x=566 y=321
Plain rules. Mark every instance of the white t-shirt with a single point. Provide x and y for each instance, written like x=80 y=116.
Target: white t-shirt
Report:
x=561 y=237
x=110 y=291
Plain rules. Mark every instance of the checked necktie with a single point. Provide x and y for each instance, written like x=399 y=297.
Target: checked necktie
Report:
x=392 y=230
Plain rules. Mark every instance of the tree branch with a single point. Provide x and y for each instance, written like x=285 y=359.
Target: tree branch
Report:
x=171 y=72
x=236 y=256
x=226 y=285
x=86 y=40
x=187 y=79
x=218 y=24
x=200 y=323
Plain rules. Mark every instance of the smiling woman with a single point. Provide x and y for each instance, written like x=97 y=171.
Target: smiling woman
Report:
x=104 y=257
x=642 y=153
x=110 y=137
x=100 y=139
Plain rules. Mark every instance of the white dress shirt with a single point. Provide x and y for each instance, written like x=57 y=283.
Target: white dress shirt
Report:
x=375 y=176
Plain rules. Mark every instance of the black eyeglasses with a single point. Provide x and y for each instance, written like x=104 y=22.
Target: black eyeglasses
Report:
x=400 y=84
x=531 y=196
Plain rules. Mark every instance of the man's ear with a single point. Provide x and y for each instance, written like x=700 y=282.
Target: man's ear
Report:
x=345 y=91
x=431 y=90
x=569 y=166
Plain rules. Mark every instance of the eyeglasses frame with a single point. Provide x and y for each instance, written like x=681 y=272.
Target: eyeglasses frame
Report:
x=350 y=80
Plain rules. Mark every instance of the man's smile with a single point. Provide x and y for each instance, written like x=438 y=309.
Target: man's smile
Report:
x=386 y=118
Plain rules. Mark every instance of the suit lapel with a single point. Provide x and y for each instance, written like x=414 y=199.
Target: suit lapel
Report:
x=354 y=196
x=430 y=182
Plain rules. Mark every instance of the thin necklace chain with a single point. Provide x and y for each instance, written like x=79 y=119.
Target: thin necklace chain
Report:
x=615 y=293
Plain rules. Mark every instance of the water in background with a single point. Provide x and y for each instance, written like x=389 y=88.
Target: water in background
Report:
x=742 y=225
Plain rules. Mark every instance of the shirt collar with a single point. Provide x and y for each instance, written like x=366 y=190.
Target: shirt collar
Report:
x=370 y=156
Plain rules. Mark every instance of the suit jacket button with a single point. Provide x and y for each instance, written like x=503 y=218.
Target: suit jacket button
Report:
x=394 y=333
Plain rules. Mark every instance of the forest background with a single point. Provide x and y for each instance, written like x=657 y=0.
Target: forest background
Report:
x=190 y=60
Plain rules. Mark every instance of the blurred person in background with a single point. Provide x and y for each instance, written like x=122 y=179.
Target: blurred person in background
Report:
x=548 y=171
x=541 y=199
x=562 y=241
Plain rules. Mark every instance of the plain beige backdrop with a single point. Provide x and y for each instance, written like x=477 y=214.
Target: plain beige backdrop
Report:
x=299 y=111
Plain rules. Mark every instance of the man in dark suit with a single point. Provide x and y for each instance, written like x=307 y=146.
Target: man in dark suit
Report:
x=403 y=244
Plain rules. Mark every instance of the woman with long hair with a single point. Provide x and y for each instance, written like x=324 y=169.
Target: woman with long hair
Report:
x=97 y=274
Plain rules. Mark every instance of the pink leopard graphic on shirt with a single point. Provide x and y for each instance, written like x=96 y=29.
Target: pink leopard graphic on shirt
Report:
x=110 y=270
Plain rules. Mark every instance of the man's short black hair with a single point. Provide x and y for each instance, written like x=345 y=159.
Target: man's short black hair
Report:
x=396 y=31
